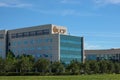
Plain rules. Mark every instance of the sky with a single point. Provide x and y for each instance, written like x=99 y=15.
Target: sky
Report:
x=98 y=21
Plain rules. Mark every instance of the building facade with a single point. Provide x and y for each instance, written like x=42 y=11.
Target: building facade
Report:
x=108 y=54
x=3 y=43
x=46 y=41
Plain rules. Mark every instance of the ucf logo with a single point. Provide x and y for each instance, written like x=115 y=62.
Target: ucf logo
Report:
x=57 y=30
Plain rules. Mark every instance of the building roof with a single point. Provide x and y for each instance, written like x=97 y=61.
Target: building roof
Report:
x=103 y=51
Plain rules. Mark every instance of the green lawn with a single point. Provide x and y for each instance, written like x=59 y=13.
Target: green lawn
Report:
x=80 y=77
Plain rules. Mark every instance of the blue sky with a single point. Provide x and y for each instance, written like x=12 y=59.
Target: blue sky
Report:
x=97 y=20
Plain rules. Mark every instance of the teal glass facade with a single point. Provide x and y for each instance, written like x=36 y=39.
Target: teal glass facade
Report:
x=71 y=48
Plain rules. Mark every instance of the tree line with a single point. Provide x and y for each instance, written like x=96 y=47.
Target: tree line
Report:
x=27 y=65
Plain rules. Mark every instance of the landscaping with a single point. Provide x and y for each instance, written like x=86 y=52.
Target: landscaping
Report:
x=80 y=77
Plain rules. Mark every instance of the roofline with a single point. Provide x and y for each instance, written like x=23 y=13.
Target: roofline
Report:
x=103 y=49
x=30 y=27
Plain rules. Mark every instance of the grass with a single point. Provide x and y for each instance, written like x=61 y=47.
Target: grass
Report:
x=80 y=77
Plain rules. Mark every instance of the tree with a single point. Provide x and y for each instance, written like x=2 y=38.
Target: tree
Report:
x=73 y=67
x=87 y=68
x=31 y=58
x=2 y=65
x=94 y=67
x=10 y=62
x=10 y=54
x=117 y=67
x=25 y=64
x=110 y=67
x=103 y=66
x=82 y=65
x=42 y=65
x=57 y=67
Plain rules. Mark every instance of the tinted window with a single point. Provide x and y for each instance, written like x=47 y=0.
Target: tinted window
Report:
x=39 y=32
x=25 y=34
x=20 y=35
x=32 y=33
x=13 y=35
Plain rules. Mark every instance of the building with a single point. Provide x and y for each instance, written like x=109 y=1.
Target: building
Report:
x=108 y=54
x=3 y=43
x=46 y=41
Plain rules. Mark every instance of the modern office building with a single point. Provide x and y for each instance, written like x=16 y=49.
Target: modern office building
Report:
x=3 y=43
x=108 y=54
x=46 y=41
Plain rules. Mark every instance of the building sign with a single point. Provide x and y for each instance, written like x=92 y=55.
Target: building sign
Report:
x=59 y=30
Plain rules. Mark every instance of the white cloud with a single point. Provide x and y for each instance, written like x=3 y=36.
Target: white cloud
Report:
x=104 y=2
x=89 y=46
x=70 y=1
x=66 y=12
x=13 y=3
x=101 y=34
x=58 y=12
x=77 y=13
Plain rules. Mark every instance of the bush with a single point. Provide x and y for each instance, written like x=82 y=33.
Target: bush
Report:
x=12 y=74
x=2 y=73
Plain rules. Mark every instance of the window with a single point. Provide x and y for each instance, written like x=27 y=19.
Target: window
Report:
x=45 y=55
x=39 y=32
x=20 y=35
x=19 y=43
x=9 y=44
x=69 y=41
x=47 y=40
x=1 y=36
x=32 y=41
x=46 y=47
x=39 y=48
x=25 y=34
x=1 y=44
x=32 y=48
x=71 y=49
x=32 y=33
x=16 y=35
x=1 y=51
x=39 y=41
x=13 y=35
x=38 y=55
x=46 y=31
x=26 y=42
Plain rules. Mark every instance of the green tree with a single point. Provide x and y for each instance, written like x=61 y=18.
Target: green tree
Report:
x=73 y=67
x=31 y=58
x=110 y=67
x=103 y=66
x=25 y=64
x=57 y=67
x=87 y=68
x=2 y=65
x=42 y=65
x=94 y=67
x=10 y=62
x=82 y=65
x=117 y=68
x=10 y=54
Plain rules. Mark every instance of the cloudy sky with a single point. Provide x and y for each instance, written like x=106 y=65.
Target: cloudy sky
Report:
x=97 y=20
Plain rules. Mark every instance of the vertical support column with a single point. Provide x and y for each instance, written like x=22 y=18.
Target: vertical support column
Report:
x=58 y=47
x=6 y=42
x=82 y=51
